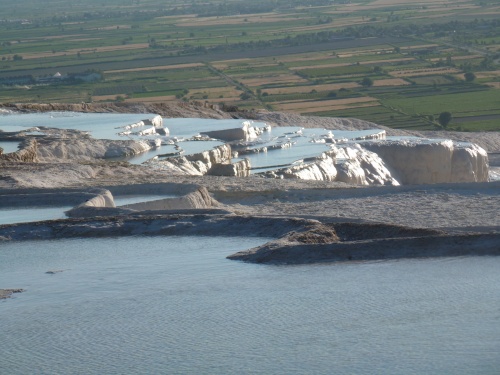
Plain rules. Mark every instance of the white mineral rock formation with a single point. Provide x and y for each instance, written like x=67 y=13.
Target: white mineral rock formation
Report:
x=203 y=163
x=134 y=125
x=321 y=168
x=156 y=121
x=238 y=169
x=155 y=126
x=88 y=149
x=198 y=199
x=28 y=153
x=469 y=163
x=148 y=131
x=430 y=162
x=246 y=132
x=394 y=163
x=103 y=199
x=380 y=135
x=351 y=164
x=360 y=166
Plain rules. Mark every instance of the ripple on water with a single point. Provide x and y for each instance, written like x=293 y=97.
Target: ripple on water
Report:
x=176 y=305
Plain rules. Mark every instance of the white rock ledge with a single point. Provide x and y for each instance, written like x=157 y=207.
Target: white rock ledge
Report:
x=245 y=132
x=430 y=162
x=216 y=161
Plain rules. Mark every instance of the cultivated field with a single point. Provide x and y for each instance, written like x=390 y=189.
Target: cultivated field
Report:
x=397 y=62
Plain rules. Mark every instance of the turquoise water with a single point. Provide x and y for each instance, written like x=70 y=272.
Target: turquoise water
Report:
x=122 y=200
x=9 y=146
x=107 y=126
x=175 y=305
x=302 y=147
x=29 y=214
x=101 y=125
x=14 y=215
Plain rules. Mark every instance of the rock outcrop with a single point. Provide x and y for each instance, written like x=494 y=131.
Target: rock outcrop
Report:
x=102 y=199
x=469 y=164
x=362 y=167
x=404 y=162
x=321 y=168
x=57 y=150
x=156 y=121
x=430 y=162
x=28 y=153
x=350 y=164
x=198 y=199
x=246 y=132
x=237 y=169
x=215 y=161
x=154 y=125
x=101 y=204
x=398 y=162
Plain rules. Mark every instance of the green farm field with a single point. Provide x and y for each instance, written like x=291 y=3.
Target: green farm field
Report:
x=398 y=63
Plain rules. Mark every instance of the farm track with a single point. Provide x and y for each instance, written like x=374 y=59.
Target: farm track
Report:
x=459 y=120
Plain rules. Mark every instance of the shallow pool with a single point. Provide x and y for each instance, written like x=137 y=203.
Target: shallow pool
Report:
x=29 y=214
x=100 y=125
x=9 y=146
x=122 y=200
x=175 y=305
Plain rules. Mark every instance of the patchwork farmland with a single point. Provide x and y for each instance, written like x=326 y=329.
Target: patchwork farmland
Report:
x=395 y=62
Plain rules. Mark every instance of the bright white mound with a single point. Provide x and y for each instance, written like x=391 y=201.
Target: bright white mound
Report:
x=432 y=161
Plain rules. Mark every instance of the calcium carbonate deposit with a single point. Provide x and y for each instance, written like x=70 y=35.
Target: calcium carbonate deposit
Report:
x=241 y=148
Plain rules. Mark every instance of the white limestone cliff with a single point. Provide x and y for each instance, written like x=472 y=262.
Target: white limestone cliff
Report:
x=430 y=162
x=245 y=132
x=469 y=164
x=154 y=126
x=156 y=121
x=359 y=166
x=321 y=168
x=238 y=169
x=216 y=161
x=198 y=199
x=27 y=153
x=102 y=199
x=350 y=163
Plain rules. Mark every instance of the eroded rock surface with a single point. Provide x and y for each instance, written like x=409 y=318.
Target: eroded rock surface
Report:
x=351 y=164
x=85 y=148
x=216 y=161
x=414 y=162
x=198 y=199
x=245 y=132
x=237 y=169
x=28 y=153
